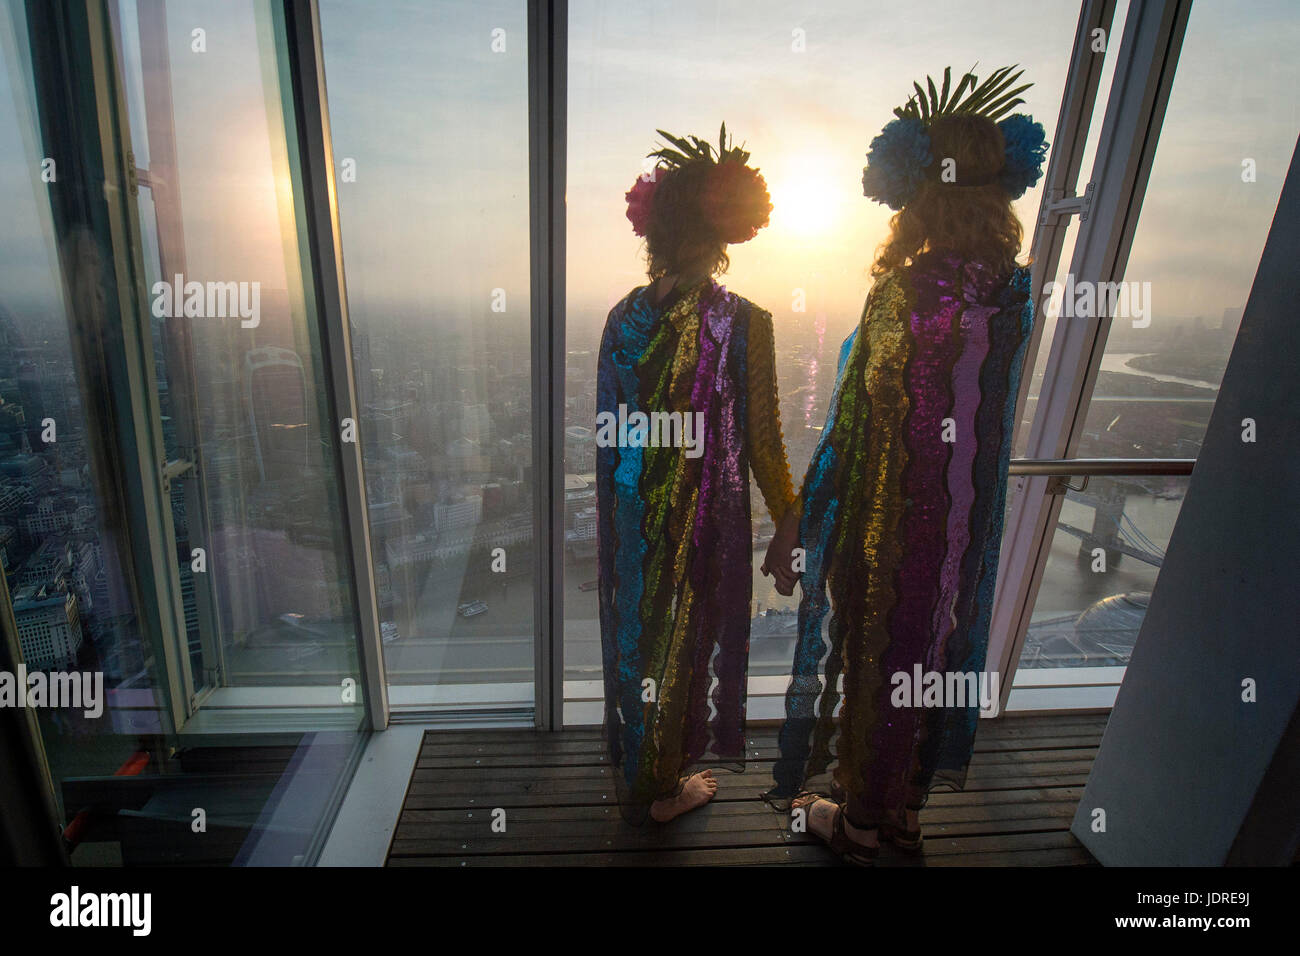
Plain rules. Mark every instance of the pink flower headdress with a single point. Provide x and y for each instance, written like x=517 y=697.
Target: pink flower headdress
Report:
x=735 y=200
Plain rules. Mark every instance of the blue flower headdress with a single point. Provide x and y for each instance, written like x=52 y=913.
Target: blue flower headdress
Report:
x=898 y=159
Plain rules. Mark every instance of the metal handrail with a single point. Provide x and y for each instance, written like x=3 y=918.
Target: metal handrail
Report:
x=1050 y=467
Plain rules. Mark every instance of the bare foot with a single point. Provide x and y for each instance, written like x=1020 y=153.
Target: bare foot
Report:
x=698 y=790
x=821 y=821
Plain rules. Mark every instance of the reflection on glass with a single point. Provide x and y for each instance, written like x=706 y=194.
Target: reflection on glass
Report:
x=242 y=398
x=239 y=703
x=62 y=543
x=803 y=89
x=431 y=153
x=1223 y=153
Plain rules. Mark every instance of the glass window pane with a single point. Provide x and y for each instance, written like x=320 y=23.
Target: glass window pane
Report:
x=1223 y=153
x=805 y=89
x=63 y=543
x=1202 y=229
x=1105 y=554
x=1050 y=322
x=429 y=115
x=242 y=397
x=243 y=696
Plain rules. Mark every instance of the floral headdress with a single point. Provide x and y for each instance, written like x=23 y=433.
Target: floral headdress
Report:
x=735 y=201
x=899 y=158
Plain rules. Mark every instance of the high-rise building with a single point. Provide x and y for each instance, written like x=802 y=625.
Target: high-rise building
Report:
x=49 y=626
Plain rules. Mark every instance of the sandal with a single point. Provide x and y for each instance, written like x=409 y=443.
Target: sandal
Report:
x=909 y=841
x=848 y=850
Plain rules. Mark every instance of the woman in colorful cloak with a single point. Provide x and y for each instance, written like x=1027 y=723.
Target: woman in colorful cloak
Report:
x=686 y=406
x=903 y=499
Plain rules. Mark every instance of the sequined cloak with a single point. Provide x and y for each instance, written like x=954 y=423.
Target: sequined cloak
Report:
x=902 y=524
x=674 y=543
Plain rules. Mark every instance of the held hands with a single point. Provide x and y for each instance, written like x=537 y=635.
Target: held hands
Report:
x=779 y=560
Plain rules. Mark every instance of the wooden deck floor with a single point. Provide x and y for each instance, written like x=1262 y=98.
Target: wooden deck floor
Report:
x=1025 y=780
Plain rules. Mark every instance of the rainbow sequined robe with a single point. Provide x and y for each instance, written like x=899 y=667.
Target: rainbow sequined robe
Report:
x=674 y=535
x=902 y=524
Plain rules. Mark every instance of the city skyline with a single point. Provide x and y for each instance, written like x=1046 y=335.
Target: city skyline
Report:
x=809 y=142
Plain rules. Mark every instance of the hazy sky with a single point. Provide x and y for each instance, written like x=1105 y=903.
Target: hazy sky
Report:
x=436 y=122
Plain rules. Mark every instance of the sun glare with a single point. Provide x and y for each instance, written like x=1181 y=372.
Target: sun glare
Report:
x=807 y=197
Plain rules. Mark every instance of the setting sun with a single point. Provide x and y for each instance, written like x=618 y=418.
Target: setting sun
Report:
x=806 y=196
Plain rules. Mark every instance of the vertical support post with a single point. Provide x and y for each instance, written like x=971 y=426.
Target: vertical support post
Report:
x=548 y=24
x=1062 y=179
x=316 y=152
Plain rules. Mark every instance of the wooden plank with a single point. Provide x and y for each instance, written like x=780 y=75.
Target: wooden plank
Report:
x=519 y=755
x=723 y=823
x=511 y=787
x=1032 y=762
x=998 y=843
x=1002 y=727
x=578 y=839
x=592 y=814
x=991 y=737
x=743 y=856
x=948 y=798
x=1032 y=775
x=721 y=813
x=1029 y=727
x=994 y=744
x=1073 y=856
x=1000 y=814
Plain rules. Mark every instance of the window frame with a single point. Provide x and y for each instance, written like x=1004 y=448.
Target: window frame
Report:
x=1128 y=140
x=1146 y=63
x=1146 y=60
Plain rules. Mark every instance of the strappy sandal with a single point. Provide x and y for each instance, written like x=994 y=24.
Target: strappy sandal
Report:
x=909 y=841
x=848 y=850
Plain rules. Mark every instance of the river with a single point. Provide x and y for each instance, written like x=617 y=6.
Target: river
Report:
x=1118 y=362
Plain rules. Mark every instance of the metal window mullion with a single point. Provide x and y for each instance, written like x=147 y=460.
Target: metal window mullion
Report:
x=1144 y=70
x=324 y=239
x=158 y=571
x=1062 y=179
x=163 y=180
x=1070 y=138
x=547 y=132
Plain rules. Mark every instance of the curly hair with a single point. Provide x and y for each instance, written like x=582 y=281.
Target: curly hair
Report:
x=679 y=237
x=972 y=216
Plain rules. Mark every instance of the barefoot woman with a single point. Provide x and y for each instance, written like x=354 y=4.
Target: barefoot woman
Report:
x=688 y=367
x=903 y=500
